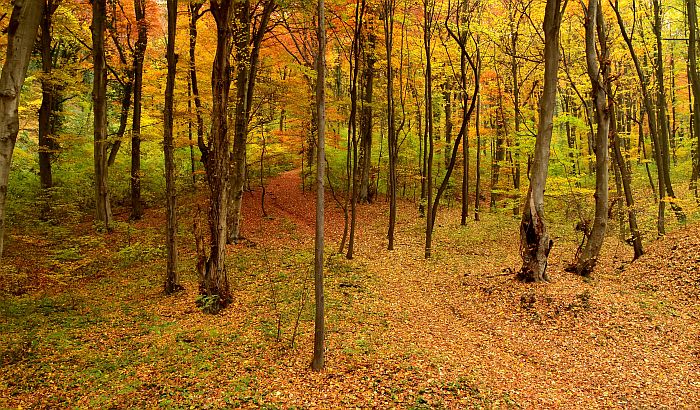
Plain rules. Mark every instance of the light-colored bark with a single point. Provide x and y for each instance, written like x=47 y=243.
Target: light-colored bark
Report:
x=21 y=34
x=535 y=242
x=599 y=74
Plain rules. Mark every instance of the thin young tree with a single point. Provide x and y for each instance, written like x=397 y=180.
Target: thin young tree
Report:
x=535 y=242
x=171 y=280
x=692 y=13
x=21 y=35
x=388 y=8
x=139 y=54
x=319 y=318
x=247 y=43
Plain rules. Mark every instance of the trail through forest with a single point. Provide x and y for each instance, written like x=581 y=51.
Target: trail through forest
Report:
x=455 y=331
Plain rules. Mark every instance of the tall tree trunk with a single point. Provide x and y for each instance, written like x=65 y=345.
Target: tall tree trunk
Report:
x=651 y=118
x=516 y=104
x=21 y=34
x=352 y=160
x=599 y=75
x=447 y=95
x=622 y=165
x=366 y=118
x=213 y=278
x=99 y=101
x=692 y=11
x=388 y=9
x=171 y=280
x=247 y=54
x=429 y=15
x=477 y=126
x=319 y=321
x=194 y=8
x=139 y=53
x=461 y=39
x=240 y=131
x=535 y=242
x=49 y=89
x=661 y=106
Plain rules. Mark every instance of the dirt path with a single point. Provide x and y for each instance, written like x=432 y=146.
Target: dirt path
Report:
x=567 y=344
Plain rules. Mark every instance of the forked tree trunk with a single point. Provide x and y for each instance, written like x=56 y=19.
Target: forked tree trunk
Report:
x=535 y=242
x=247 y=55
x=103 y=210
x=213 y=278
x=319 y=321
x=171 y=280
x=599 y=75
x=21 y=34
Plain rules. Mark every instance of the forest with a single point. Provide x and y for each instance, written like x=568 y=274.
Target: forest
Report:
x=289 y=204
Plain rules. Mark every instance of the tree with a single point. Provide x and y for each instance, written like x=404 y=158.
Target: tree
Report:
x=692 y=13
x=214 y=284
x=388 y=7
x=21 y=34
x=171 y=281
x=49 y=97
x=598 y=64
x=139 y=53
x=319 y=321
x=99 y=103
x=662 y=119
x=535 y=242
x=247 y=46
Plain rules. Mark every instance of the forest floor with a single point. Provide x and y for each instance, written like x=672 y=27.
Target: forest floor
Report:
x=84 y=322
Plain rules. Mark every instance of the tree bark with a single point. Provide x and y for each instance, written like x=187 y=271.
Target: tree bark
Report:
x=366 y=119
x=49 y=99
x=247 y=53
x=535 y=242
x=388 y=10
x=139 y=53
x=661 y=106
x=171 y=280
x=319 y=321
x=103 y=212
x=213 y=278
x=692 y=12
x=21 y=34
x=599 y=74
x=651 y=118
